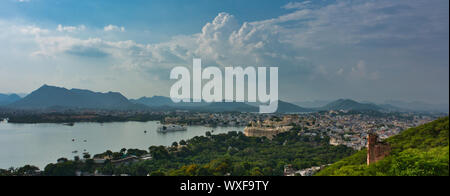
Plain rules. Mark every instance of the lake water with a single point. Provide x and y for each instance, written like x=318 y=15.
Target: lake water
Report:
x=40 y=144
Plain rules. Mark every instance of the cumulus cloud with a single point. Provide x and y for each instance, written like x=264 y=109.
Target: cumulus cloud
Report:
x=32 y=30
x=114 y=28
x=275 y=42
x=53 y=46
x=308 y=43
x=70 y=29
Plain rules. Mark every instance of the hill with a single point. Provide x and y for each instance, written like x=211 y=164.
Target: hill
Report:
x=312 y=104
x=348 y=104
x=166 y=102
x=155 y=101
x=419 y=106
x=420 y=151
x=55 y=97
x=7 y=99
x=161 y=102
x=285 y=107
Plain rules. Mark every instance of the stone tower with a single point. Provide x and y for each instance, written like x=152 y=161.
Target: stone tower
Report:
x=376 y=150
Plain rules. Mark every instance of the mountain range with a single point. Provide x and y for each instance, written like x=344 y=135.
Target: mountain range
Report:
x=419 y=106
x=56 y=97
x=160 y=101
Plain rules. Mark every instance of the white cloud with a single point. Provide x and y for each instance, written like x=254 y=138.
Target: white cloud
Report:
x=360 y=72
x=308 y=43
x=297 y=5
x=270 y=42
x=70 y=29
x=32 y=30
x=114 y=28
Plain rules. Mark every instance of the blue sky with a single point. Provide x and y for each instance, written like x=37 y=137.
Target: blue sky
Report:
x=372 y=50
x=164 y=18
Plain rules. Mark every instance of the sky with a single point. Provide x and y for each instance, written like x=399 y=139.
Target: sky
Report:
x=367 y=50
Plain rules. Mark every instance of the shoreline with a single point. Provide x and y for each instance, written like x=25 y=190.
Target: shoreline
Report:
x=30 y=146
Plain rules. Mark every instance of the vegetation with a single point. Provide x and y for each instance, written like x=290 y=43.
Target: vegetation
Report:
x=27 y=170
x=420 y=151
x=217 y=155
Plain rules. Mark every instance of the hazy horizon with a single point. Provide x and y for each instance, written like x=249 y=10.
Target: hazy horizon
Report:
x=325 y=50
x=307 y=103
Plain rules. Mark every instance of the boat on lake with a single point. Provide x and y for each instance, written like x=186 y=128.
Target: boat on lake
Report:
x=69 y=124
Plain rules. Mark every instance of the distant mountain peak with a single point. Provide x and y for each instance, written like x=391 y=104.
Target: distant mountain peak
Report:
x=346 y=100
x=6 y=99
x=49 y=86
x=51 y=96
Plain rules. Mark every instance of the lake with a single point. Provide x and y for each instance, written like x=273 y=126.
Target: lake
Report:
x=40 y=144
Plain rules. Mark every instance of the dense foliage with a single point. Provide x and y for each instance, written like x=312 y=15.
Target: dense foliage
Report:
x=224 y=154
x=27 y=170
x=420 y=151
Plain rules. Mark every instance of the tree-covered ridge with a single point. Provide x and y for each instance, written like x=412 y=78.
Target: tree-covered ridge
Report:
x=420 y=151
